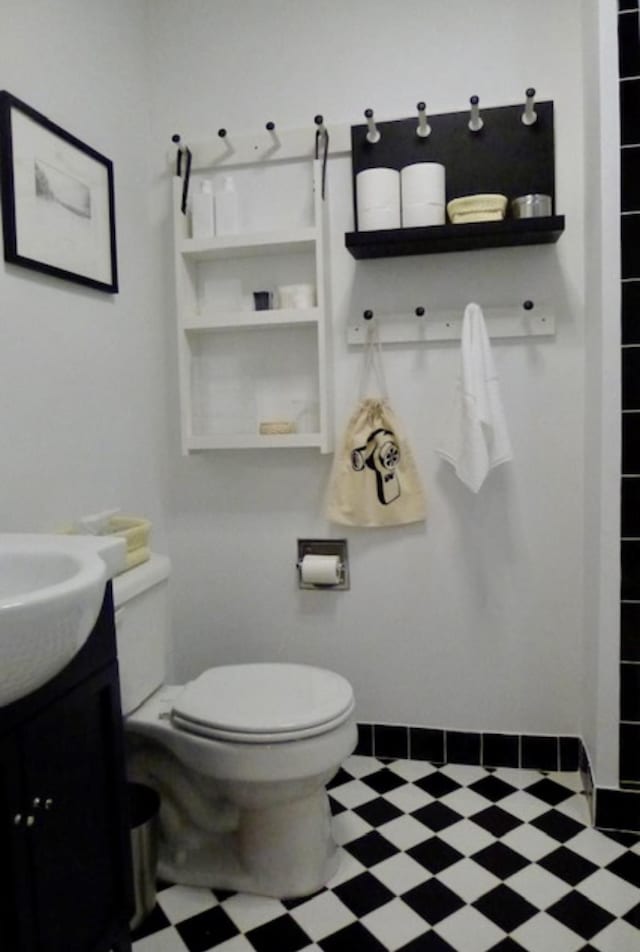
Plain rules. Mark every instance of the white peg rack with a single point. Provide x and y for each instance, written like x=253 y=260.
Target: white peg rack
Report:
x=502 y=322
x=246 y=148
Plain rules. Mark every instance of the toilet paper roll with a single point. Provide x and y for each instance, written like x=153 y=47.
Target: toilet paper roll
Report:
x=320 y=569
x=376 y=188
x=372 y=219
x=421 y=214
x=423 y=182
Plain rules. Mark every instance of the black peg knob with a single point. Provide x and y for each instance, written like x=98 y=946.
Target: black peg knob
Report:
x=368 y=113
x=175 y=137
x=368 y=315
x=474 y=100
x=419 y=312
x=270 y=126
x=222 y=133
x=530 y=92
x=318 y=120
x=528 y=305
x=421 y=106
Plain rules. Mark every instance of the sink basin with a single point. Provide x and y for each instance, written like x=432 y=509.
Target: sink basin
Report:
x=51 y=591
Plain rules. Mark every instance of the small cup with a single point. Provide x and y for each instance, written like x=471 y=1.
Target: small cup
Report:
x=262 y=300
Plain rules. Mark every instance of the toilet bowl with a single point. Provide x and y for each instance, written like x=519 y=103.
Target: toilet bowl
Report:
x=240 y=756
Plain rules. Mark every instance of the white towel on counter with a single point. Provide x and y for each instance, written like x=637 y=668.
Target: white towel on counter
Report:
x=477 y=439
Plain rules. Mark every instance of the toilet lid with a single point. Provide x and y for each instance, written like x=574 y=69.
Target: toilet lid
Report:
x=263 y=702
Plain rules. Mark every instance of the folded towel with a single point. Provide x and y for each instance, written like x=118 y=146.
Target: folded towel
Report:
x=137 y=556
x=477 y=438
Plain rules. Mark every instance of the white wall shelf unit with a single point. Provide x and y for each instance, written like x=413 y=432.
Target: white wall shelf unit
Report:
x=238 y=367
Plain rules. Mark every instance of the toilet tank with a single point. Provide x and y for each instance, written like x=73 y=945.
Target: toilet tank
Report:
x=141 y=601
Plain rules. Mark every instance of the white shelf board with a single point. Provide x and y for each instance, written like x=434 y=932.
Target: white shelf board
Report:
x=242 y=320
x=501 y=322
x=239 y=246
x=238 y=441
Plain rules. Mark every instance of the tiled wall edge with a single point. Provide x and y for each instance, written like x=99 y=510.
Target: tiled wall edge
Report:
x=487 y=749
x=610 y=809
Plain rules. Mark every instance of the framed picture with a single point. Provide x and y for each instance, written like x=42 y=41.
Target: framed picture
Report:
x=58 y=214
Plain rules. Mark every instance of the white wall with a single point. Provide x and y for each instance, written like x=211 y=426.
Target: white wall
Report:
x=81 y=371
x=473 y=621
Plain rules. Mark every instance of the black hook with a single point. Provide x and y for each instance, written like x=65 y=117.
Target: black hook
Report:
x=528 y=305
x=323 y=132
x=222 y=133
x=176 y=138
x=419 y=312
x=368 y=315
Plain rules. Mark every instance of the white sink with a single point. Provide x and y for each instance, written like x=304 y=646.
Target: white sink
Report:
x=51 y=591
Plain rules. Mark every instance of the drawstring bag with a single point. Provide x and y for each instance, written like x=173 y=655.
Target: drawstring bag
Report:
x=374 y=480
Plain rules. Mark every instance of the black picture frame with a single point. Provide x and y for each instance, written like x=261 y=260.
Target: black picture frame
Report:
x=58 y=205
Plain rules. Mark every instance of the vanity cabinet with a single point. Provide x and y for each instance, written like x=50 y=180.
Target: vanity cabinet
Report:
x=64 y=833
x=246 y=375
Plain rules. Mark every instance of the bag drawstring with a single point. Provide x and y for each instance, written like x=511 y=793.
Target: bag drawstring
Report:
x=372 y=364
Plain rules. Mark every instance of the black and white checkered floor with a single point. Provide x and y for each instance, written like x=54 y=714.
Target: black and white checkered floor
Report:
x=433 y=859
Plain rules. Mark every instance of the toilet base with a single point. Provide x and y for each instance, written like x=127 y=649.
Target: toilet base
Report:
x=283 y=850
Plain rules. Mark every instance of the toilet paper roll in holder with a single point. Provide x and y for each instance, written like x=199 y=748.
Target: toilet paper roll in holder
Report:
x=330 y=547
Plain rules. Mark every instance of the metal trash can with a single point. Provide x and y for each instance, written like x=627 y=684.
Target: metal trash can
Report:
x=144 y=806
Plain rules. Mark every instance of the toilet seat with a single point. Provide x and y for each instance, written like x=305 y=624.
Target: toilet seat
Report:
x=263 y=703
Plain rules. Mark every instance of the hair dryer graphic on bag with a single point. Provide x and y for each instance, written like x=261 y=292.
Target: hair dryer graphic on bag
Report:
x=381 y=454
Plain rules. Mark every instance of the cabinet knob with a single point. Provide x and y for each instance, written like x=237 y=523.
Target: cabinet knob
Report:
x=30 y=821
x=48 y=803
x=17 y=820
x=36 y=802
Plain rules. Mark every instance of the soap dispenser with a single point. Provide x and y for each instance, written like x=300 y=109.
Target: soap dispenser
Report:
x=227 y=210
x=202 y=221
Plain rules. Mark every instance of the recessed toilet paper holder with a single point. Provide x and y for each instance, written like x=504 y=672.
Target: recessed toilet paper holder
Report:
x=325 y=547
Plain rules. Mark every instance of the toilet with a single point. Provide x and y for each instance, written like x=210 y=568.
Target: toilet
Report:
x=240 y=755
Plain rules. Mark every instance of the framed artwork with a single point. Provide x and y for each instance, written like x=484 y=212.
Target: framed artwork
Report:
x=58 y=210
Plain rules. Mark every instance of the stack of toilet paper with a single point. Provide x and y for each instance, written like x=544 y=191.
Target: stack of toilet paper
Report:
x=411 y=198
x=423 y=194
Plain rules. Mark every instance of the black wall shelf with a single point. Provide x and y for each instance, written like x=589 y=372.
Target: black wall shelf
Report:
x=437 y=239
x=505 y=157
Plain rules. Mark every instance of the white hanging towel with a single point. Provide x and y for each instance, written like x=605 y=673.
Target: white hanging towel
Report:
x=476 y=440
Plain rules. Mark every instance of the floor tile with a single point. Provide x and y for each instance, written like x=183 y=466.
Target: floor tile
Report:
x=182 y=902
x=617 y=937
x=322 y=915
x=400 y=872
x=204 y=931
x=505 y=908
x=543 y=933
x=394 y=924
x=537 y=886
x=567 y=865
x=580 y=914
x=468 y=880
x=283 y=934
x=433 y=901
x=248 y=912
x=363 y=893
x=165 y=940
x=610 y=892
x=404 y=832
x=469 y=931
x=434 y=859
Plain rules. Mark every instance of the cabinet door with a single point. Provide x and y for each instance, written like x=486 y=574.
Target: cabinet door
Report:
x=16 y=918
x=74 y=774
